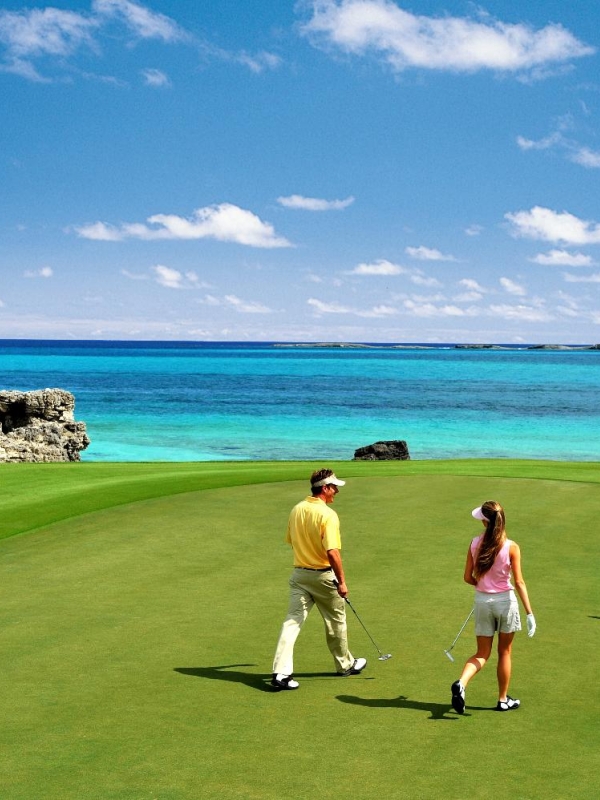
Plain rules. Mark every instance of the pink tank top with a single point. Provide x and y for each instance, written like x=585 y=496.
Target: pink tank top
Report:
x=496 y=579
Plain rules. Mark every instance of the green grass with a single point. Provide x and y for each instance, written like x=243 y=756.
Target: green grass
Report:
x=140 y=606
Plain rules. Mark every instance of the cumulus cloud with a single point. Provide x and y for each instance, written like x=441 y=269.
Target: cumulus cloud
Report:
x=562 y=258
x=512 y=288
x=44 y=272
x=427 y=254
x=225 y=222
x=459 y=44
x=552 y=226
x=586 y=157
x=381 y=267
x=169 y=277
x=314 y=203
x=474 y=230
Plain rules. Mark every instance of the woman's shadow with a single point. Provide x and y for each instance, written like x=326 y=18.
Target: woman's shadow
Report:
x=436 y=711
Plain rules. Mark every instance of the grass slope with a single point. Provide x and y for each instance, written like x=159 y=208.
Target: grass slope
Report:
x=139 y=614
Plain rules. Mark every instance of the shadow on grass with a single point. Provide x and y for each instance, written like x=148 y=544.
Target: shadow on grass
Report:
x=436 y=711
x=226 y=672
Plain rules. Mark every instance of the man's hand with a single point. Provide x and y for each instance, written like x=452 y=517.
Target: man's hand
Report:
x=342 y=589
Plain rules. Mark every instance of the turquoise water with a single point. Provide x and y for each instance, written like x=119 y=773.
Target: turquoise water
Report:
x=199 y=401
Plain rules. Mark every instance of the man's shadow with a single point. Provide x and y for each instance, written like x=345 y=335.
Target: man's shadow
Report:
x=436 y=711
x=227 y=672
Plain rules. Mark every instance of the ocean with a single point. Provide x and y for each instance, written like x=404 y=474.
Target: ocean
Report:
x=200 y=401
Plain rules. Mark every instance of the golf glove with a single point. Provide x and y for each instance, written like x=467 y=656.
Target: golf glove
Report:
x=530 y=625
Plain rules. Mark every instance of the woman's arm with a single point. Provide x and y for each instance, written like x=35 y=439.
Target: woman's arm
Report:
x=515 y=563
x=468 y=576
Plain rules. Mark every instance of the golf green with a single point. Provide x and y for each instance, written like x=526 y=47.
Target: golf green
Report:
x=140 y=606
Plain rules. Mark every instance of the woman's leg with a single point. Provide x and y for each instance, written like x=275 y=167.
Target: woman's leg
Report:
x=477 y=661
x=505 y=641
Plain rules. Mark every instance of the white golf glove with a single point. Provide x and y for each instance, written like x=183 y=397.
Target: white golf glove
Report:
x=530 y=625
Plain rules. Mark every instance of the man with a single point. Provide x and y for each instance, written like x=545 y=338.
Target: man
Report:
x=318 y=578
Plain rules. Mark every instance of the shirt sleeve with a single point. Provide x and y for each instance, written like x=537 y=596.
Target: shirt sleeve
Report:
x=330 y=532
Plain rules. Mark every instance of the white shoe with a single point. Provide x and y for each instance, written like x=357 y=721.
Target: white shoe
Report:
x=357 y=667
x=280 y=681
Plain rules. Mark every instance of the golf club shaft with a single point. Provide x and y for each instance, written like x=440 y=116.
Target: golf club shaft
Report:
x=363 y=625
x=464 y=625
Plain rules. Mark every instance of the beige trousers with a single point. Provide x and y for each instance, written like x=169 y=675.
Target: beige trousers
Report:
x=309 y=588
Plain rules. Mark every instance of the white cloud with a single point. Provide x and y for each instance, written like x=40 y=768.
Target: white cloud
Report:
x=563 y=258
x=472 y=285
x=474 y=230
x=595 y=278
x=521 y=313
x=467 y=297
x=431 y=310
x=381 y=267
x=134 y=276
x=328 y=308
x=541 y=144
x=552 y=226
x=44 y=272
x=586 y=158
x=168 y=277
x=143 y=22
x=33 y=34
x=245 y=307
x=155 y=77
x=577 y=153
x=513 y=288
x=378 y=311
x=314 y=203
x=457 y=44
x=423 y=280
x=224 y=222
x=259 y=62
x=427 y=254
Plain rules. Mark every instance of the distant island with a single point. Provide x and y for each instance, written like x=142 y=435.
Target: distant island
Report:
x=360 y=346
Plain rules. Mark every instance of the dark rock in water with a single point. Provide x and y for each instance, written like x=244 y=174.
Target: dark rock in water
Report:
x=394 y=450
x=40 y=426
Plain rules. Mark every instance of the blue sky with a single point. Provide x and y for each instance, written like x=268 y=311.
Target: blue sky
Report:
x=338 y=170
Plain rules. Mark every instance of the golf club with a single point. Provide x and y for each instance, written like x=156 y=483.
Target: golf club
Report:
x=464 y=625
x=382 y=656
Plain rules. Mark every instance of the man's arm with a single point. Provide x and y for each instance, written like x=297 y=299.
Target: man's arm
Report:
x=335 y=559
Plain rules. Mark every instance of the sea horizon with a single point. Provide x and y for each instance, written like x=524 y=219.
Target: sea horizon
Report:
x=149 y=400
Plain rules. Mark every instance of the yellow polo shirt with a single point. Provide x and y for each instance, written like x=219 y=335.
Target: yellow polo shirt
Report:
x=313 y=529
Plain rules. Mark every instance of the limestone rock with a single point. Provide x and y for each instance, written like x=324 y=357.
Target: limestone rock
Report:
x=393 y=450
x=40 y=426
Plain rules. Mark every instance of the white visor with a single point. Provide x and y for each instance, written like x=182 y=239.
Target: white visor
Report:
x=478 y=514
x=330 y=479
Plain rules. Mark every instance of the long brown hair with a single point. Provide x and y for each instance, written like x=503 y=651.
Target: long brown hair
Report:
x=493 y=538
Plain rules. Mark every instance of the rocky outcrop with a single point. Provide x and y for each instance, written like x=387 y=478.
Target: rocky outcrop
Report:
x=394 y=450
x=40 y=426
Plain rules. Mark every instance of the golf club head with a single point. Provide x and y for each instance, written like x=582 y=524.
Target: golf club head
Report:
x=385 y=657
x=449 y=655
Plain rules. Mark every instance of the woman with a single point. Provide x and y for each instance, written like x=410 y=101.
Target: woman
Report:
x=490 y=560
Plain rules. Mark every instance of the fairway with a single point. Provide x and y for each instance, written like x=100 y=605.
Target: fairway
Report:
x=139 y=618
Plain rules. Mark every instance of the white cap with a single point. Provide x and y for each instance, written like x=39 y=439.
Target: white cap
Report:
x=478 y=514
x=328 y=480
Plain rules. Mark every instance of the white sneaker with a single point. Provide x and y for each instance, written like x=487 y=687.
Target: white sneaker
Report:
x=280 y=681
x=508 y=705
x=458 y=697
x=357 y=667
